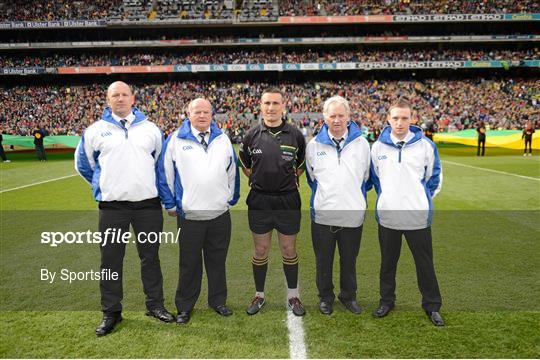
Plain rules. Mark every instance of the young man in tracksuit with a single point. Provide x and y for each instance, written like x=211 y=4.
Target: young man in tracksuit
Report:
x=117 y=155
x=337 y=164
x=198 y=182
x=406 y=173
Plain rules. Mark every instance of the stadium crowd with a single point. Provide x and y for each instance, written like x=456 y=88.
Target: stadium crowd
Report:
x=43 y=10
x=258 y=57
x=394 y=7
x=46 y=10
x=448 y=104
x=205 y=39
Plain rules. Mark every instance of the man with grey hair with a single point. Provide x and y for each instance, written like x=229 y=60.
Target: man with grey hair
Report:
x=117 y=155
x=337 y=163
x=198 y=183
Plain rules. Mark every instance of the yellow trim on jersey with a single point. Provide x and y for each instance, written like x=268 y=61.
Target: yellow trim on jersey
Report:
x=289 y=147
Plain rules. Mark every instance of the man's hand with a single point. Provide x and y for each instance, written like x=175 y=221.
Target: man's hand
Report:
x=246 y=172
x=172 y=213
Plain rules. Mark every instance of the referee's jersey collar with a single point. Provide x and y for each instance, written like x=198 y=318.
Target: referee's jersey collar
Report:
x=285 y=127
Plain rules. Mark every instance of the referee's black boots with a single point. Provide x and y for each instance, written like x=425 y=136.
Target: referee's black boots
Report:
x=295 y=305
x=256 y=304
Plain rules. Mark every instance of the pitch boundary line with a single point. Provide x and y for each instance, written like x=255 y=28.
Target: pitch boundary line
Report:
x=297 y=345
x=295 y=327
x=37 y=183
x=491 y=170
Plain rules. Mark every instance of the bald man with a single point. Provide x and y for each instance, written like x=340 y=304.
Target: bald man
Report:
x=198 y=183
x=118 y=155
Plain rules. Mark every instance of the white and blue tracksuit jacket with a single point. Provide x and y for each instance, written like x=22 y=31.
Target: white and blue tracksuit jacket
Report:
x=198 y=184
x=338 y=178
x=120 y=163
x=406 y=180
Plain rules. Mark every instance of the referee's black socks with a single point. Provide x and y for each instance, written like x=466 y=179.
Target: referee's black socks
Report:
x=290 y=267
x=260 y=266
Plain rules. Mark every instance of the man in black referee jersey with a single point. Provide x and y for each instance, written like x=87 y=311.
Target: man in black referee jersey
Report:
x=272 y=154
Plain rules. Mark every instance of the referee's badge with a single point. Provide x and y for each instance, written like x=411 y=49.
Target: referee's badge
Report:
x=288 y=153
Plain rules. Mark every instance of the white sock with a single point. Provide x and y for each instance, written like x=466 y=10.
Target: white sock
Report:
x=291 y=293
x=260 y=294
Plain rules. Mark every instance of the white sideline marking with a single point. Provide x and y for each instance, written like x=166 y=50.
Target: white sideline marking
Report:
x=297 y=346
x=37 y=183
x=491 y=170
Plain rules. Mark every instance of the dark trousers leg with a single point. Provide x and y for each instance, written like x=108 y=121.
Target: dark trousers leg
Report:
x=481 y=147
x=146 y=221
x=420 y=243
x=528 y=142
x=483 y=142
x=324 y=246
x=390 y=243
x=2 y=153
x=40 y=151
x=216 y=245
x=112 y=257
x=191 y=239
x=349 y=245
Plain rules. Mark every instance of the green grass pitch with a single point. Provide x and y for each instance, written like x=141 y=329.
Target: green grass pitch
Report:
x=486 y=248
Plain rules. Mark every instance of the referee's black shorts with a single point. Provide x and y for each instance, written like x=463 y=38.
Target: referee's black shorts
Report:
x=268 y=211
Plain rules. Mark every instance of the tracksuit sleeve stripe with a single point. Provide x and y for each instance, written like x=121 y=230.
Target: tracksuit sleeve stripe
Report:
x=373 y=178
x=84 y=163
x=434 y=183
x=166 y=175
x=234 y=178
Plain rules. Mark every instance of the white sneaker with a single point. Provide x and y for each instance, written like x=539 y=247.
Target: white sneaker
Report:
x=7 y=161
x=524 y=154
x=530 y=154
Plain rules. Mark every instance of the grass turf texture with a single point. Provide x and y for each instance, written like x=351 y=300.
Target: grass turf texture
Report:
x=485 y=245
